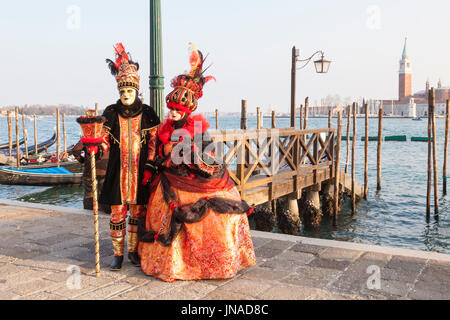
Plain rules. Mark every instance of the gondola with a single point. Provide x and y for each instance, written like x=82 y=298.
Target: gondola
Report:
x=31 y=149
x=39 y=177
x=14 y=143
x=70 y=164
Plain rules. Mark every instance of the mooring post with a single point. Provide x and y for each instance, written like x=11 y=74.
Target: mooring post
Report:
x=244 y=115
x=35 y=136
x=337 y=192
x=305 y=126
x=58 y=138
x=301 y=117
x=258 y=118
x=353 y=160
x=348 y=139
x=217 y=119
x=274 y=119
x=330 y=119
x=24 y=133
x=10 y=132
x=435 y=173
x=64 y=132
x=366 y=153
x=380 y=139
x=444 y=170
x=430 y=103
x=17 y=138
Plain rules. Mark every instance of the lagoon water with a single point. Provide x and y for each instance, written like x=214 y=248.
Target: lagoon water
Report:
x=394 y=217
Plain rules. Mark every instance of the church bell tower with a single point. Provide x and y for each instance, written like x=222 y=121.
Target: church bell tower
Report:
x=405 y=75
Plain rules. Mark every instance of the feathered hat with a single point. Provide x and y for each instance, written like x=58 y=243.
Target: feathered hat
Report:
x=124 y=69
x=188 y=88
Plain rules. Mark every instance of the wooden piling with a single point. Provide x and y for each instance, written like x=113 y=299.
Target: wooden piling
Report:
x=64 y=132
x=17 y=138
x=348 y=139
x=35 y=136
x=430 y=102
x=353 y=160
x=274 y=119
x=244 y=115
x=337 y=183
x=217 y=119
x=58 y=138
x=10 y=132
x=444 y=169
x=258 y=118
x=301 y=117
x=330 y=119
x=305 y=126
x=24 y=133
x=96 y=107
x=435 y=173
x=366 y=154
x=380 y=139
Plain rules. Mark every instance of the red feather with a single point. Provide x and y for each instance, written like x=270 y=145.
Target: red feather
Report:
x=122 y=55
x=196 y=60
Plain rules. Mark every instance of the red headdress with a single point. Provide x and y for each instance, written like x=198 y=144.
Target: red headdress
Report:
x=124 y=69
x=188 y=88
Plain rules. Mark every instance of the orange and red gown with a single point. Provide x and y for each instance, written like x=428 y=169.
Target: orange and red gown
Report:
x=196 y=225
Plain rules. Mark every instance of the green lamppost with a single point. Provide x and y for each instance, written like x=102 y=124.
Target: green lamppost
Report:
x=156 y=66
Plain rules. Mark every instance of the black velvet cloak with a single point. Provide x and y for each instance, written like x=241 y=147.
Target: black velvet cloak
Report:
x=111 y=195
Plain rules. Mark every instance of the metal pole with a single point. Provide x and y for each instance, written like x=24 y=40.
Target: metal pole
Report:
x=156 y=65
x=444 y=170
x=58 y=138
x=17 y=138
x=293 y=85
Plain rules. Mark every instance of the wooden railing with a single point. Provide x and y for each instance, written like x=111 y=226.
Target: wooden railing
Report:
x=270 y=163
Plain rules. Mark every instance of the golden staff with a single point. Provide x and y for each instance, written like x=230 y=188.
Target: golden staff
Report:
x=92 y=127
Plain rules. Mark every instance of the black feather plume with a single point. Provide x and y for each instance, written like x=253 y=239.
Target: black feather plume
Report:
x=112 y=67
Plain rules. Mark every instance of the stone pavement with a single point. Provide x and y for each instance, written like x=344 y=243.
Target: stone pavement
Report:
x=43 y=249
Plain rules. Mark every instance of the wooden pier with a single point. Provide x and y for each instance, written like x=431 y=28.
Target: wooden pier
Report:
x=268 y=164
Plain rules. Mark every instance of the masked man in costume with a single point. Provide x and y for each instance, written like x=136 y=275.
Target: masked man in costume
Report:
x=129 y=127
x=196 y=225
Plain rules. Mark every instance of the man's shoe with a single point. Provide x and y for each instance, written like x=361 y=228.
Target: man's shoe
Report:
x=117 y=263
x=133 y=257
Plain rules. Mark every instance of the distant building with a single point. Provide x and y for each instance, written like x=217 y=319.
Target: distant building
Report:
x=411 y=104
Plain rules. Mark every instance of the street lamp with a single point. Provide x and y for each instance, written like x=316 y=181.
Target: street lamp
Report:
x=322 y=66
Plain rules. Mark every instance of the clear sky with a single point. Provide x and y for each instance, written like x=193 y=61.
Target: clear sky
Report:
x=52 y=55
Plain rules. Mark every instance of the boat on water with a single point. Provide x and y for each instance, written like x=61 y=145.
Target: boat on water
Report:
x=14 y=144
x=417 y=119
x=43 y=146
x=52 y=176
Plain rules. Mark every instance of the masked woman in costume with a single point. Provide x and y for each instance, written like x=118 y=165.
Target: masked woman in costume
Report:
x=196 y=225
x=129 y=126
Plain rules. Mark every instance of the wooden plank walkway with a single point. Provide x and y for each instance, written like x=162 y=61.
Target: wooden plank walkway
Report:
x=267 y=164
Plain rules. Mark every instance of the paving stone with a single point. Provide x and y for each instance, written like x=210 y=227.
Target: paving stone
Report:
x=435 y=273
x=406 y=263
x=307 y=248
x=329 y=263
x=30 y=287
x=191 y=291
x=140 y=293
x=265 y=274
x=340 y=254
x=43 y=296
x=258 y=242
x=247 y=287
x=442 y=287
x=221 y=294
x=299 y=257
x=104 y=292
x=288 y=292
x=427 y=294
x=312 y=277
x=391 y=288
x=8 y=295
x=399 y=275
x=264 y=252
x=279 y=244
x=277 y=264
